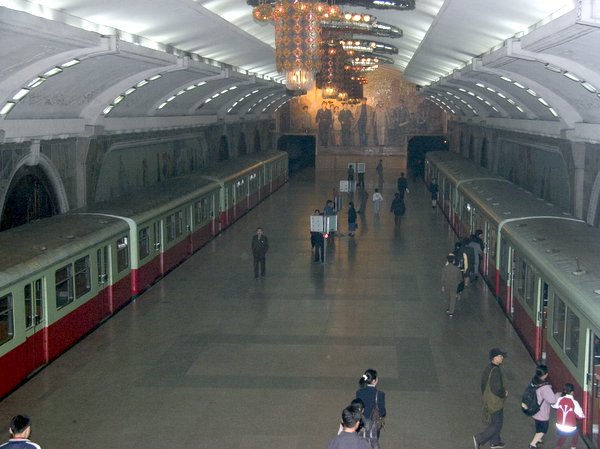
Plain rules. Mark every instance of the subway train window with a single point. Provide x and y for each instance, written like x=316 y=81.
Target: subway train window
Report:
x=64 y=286
x=122 y=254
x=6 y=318
x=170 y=227
x=144 y=242
x=82 y=276
x=34 y=312
x=558 y=321
x=572 y=337
x=179 y=223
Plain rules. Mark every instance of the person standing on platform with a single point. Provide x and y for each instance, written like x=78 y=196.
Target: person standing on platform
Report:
x=363 y=122
x=493 y=395
x=568 y=411
x=545 y=397
x=325 y=121
x=20 y=430
x=398 y=208
x=363 y=195
x=260 y=246
x=350 y=173
x=348 y=438
x=351 y=219
x=373 y=398
x=477 y=253
x=433 y=190
x=451 y=277
x=345 y=118
x=377 y=200
x=402 y=185
x=379 y=170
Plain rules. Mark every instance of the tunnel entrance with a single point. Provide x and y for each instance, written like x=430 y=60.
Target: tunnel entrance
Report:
x=29 y=197
x=301 y=150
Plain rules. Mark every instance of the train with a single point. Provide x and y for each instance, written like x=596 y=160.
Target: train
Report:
x=541 y=263
x=61 y=277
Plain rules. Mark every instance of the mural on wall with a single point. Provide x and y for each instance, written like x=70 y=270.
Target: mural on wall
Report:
x=142 y=164
x=393 y=112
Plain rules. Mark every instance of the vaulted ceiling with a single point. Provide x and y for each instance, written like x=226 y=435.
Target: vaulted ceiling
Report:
x=503 y=61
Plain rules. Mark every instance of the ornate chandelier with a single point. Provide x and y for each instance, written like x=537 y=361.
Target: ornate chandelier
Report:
x=297 y=38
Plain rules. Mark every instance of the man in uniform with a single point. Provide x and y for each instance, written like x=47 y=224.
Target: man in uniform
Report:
x=260 y=246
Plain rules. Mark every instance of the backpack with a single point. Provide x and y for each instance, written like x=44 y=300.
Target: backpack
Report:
x=529 y=402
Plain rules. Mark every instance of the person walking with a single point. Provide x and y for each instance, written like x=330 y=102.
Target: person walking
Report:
x=379 y=170
x=545 y=397
x=351 y=219
x=373 y=399
x=398 y=208
x=377 y=200
x=260 y=246
x=451 y=278
x=20 y=430
x=568 y=411
x=402 y=184
x=433 y=190
x=348 y=438
x=363 y=195
x=493 y=395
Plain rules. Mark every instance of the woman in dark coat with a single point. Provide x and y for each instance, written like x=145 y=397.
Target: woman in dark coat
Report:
x=398 y=208
x=351 y=219
x=370 y=395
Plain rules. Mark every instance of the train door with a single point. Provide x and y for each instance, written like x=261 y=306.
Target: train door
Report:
x=542 y=320
x=36 y=324
x=593 y=409
x=105 y=298
x=157 y=232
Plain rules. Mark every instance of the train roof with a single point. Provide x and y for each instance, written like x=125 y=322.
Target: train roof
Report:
x=227 y=170
x=502 y=201
x=568 y=254
x=457 y=169
x=35 y=246
x=144 y=204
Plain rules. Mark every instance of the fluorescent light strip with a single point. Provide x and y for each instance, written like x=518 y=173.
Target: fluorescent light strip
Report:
x=7 y=107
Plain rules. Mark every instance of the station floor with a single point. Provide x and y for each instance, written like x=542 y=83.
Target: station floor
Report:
x=212 y=358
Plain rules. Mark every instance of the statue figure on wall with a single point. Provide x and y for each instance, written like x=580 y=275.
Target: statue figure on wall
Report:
x=346 y=119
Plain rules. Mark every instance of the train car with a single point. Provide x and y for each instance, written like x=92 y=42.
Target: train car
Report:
x=542 y=264
x=62 y=276
x=168 y=222
x=244 y=181
x=57 y=277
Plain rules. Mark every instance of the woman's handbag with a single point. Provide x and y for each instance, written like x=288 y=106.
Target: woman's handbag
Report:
x=376 y=418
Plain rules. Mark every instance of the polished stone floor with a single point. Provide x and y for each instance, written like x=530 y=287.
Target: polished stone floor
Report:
x=212 y=358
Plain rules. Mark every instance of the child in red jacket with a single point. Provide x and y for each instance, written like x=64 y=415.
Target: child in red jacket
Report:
x=568 y=411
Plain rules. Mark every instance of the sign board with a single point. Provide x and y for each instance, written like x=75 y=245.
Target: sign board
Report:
x=360 y=167
x=331 y=223
x=344 y=186
x=317 y=223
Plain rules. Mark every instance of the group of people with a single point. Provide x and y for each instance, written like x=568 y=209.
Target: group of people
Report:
x=461 y=268
x=363 y=419
x=494 y=394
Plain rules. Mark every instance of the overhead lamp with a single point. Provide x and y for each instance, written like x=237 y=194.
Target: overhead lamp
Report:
x=118 y=99
x=589 y=87
x=70 y=63
x=155 y=77
x=36 y=82
x=7 y=107
x=130 y=91
x=21 y=94
x=108 y=108
x=52 y=72
x=571 y=77
x=553 y=68
x=142 y=83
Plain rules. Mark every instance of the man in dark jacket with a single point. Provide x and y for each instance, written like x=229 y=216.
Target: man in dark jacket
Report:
x=260 y=246
x=493 y=396
x=402 y=185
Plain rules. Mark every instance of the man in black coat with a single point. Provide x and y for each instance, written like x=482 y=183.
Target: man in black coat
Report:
x=260 y=246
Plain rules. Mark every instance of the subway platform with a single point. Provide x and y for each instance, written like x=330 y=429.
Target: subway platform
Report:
x=211 y=358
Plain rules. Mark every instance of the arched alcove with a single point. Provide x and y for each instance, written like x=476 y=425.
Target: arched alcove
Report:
x=471 y=148
x=484 y=154
x=257 y=146
x=30 y=196
x=243 y=148
x=223 y=149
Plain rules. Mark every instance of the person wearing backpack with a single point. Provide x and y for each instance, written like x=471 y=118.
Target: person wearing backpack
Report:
x=373 y=399
x=537 y=399
x=568 y=411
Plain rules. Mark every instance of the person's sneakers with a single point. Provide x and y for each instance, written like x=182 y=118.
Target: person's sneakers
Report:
x=449 y=314
x=531 y=447
x=499 y=445
x=475 y=443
